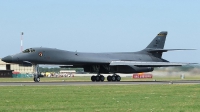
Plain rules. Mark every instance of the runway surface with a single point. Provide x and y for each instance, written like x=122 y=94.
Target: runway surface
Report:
x=97 y=83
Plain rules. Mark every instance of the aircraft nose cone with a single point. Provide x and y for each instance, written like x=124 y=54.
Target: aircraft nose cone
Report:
x=7 y=59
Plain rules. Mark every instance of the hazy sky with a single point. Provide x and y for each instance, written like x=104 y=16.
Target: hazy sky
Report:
x=101 y=25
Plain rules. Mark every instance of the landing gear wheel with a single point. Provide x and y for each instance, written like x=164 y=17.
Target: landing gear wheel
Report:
x=97 y=78
x=113 y=78
x=109 y=78
x=36 y=73
x=118 y=78
x=102 y=78
x=93 y=78
x=36 y=79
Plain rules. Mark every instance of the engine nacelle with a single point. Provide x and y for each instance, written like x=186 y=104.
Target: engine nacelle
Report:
x=130 y=69
x=97 y=68
x=116 y=69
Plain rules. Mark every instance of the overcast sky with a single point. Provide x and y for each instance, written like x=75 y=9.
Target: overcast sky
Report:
x=101 y=25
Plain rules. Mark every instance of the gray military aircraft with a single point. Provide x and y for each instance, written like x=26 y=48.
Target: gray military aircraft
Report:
x=120 y=62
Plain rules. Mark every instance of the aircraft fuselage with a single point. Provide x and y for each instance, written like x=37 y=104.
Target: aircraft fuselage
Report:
x=56 y=56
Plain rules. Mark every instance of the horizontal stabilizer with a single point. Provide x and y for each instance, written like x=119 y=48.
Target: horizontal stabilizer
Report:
x=165 y=50
x=148 y=64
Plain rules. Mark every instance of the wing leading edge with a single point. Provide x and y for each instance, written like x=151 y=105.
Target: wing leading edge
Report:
x=148 y=64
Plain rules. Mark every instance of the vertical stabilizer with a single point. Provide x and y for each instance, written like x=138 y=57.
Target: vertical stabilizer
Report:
x=159 y=41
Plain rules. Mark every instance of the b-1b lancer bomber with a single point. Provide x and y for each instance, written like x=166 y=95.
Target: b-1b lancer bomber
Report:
x=101 y=63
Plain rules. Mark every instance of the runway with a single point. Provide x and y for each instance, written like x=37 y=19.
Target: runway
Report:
x=97 y=83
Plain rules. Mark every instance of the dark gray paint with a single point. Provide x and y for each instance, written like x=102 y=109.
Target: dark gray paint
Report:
x=152 y=53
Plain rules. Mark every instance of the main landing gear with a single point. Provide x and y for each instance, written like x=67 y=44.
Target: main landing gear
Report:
x=36 y=73
x=101 y=78
x=97 y=78
x=114 y=77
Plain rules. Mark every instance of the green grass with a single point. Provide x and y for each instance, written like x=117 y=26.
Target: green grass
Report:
x=115 y=98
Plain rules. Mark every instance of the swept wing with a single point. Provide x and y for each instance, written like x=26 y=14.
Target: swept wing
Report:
x=148 y=64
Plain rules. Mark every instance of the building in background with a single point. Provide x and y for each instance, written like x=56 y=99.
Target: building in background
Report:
x=16 y=68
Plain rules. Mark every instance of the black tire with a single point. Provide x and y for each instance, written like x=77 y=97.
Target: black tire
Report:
x=97 y=78
x=36 y=79
x=93 y=78
x=102 y=78
x=118 y=78
x=109 y=78
x=113 y=78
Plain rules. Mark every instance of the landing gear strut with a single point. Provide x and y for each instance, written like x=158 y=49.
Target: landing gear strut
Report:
x=36 y=73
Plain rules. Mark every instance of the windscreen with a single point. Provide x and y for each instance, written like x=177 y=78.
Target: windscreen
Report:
x=29 y=50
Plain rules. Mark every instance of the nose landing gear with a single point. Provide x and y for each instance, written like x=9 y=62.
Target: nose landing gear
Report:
x=36 y=73
x=36 y=79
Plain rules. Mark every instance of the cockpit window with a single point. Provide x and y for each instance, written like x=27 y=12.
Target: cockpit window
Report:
x=29 y=50
x=32 y=50
x=26 y=51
